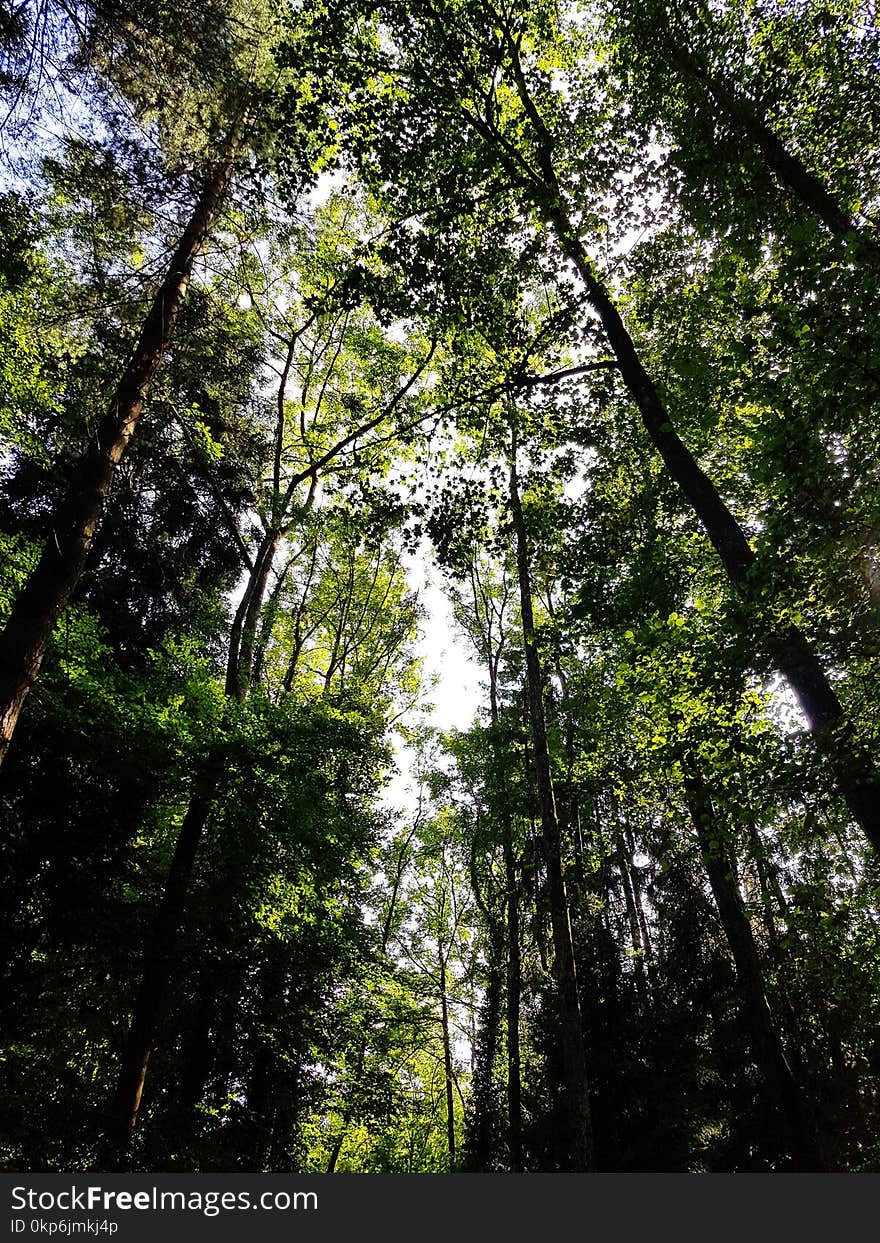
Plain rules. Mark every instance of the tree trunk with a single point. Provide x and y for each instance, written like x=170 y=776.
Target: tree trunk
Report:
x=158 y=966
x=514 y=970
x=447 y=1057
x=483 y=1063
x=635 y=931
x=262 y=1090
x=854 y=769
x=243 y=634
x=579 y=1155
x=769 y=1053
x=806 y=187
x=635 y=878
x=200 y=1047
x=30 y=624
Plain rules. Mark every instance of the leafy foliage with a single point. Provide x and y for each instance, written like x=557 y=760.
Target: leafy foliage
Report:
x=463 y=249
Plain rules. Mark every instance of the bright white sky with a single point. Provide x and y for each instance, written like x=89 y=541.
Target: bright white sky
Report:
x=451 y=680
x=446 y=656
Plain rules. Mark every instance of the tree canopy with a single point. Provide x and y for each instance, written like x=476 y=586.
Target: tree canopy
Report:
x=311 y=318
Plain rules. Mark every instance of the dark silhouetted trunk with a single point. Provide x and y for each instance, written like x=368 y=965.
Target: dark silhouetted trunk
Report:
x=577 y=1151
x=514 y=970
x=635 y=930
x=480 y=1143
x=514 y=991
x=263 y=1110
x=854 y=769
x=447 y=1057
x=243 y=633
x=636 y=880
x=807 y=187
x=158 y=966
x=769 y=1053
x=36 y=610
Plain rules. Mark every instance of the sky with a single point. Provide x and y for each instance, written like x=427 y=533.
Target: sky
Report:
x=451 y=679
x=446 y=655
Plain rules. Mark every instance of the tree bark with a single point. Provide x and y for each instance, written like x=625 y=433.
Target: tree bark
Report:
x=514 y=991
x=579 y=1154
x=200 y=1047
x=769 y=1053
x=635 y=878
x=480 y=1143
x=635 y=930
x=447 y=1057
x=854 y=769
x=514 y=970
x=158 y=966
x=790 y=170
x=30 y=624
x=243 y=634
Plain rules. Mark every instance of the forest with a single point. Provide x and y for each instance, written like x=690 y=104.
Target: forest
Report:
x=340 y=337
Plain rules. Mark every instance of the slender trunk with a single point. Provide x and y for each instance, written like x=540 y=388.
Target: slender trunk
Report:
x=578 y=1154
x=158 y=966
x=336 y=1147
x=447 y=1057
x=242 y=636
x=765 y=883
x=635 y=931
x=769 y=1053
x=387 y=925
x=30 y=624
x=267 y=624
x=853 y=767
x=335 y=1151
x=298 y=637
x=514 y=970
x=514 y=991
x=261 y=1087
x=580 y=871
x=333 y=662
x=484 y=1053
x=635 y=878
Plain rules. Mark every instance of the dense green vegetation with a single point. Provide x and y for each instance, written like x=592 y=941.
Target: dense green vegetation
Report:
x=576 y=306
